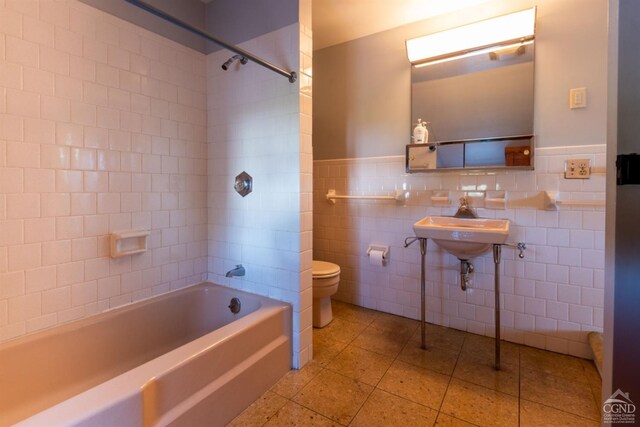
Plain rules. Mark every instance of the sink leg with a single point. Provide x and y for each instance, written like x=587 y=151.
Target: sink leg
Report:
x=423 y=255
x=497 y=249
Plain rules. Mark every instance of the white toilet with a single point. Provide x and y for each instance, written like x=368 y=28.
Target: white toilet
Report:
x=326 y=276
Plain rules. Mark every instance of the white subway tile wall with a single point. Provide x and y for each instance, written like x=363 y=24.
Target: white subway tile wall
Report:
x=550 y=299
x=261 y=124
x=102 y=128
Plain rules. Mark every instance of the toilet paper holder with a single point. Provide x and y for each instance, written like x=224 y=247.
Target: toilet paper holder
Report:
x=383 y=248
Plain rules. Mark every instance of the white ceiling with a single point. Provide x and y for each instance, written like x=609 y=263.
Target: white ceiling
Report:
x=338 y=21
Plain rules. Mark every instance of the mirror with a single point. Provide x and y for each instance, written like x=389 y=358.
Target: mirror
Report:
x=478 y=109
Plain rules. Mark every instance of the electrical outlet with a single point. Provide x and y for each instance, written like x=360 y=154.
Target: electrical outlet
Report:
x=577 y=169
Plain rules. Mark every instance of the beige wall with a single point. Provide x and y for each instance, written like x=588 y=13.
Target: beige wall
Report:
x=361 y=107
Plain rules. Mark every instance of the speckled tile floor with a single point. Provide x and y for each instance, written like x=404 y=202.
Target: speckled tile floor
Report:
x=369 y=370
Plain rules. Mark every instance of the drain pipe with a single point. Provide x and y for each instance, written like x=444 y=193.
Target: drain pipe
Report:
x=466 y=268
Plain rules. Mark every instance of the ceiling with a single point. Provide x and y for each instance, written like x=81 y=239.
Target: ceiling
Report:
x=338 y=21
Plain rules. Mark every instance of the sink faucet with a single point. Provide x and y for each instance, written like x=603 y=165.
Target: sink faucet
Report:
x=238 y=271
x=465 y=211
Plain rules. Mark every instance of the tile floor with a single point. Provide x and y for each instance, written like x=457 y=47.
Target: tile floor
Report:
x=369 y=370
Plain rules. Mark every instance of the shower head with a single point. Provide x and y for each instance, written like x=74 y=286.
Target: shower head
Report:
x=243 y=60
x=228 y=62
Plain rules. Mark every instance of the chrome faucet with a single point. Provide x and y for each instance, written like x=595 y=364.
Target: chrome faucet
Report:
x=465 y=211
x=238 y=271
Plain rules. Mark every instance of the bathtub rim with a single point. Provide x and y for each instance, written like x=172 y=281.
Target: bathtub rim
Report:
x=126 y=388
x=97 y=317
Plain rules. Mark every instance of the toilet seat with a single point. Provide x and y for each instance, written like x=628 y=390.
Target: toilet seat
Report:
x=324 y=270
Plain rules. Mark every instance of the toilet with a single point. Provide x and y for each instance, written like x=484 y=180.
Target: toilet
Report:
x=326 y=276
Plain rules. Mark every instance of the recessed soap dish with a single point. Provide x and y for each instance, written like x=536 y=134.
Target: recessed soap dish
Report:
x=128 y=242
x=495 y=200
x=440 y=198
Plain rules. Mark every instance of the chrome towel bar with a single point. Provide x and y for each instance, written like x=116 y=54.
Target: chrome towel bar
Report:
x=332 y=196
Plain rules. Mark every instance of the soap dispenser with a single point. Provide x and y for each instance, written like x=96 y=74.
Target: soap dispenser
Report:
x=420 y=133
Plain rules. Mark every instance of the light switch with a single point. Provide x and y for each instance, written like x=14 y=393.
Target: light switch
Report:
x=578 y=97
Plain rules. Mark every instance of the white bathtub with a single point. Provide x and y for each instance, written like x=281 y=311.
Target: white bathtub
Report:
x=178 y=359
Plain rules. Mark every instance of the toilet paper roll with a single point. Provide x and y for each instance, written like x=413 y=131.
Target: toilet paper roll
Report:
x=375 y=258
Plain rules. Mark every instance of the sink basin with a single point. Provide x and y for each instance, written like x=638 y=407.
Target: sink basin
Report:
x=465 y=238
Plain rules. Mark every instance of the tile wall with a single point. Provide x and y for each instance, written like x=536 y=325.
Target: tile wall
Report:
x=260 y=123
x=102 y=128
x=105 y=127
x=550 y=299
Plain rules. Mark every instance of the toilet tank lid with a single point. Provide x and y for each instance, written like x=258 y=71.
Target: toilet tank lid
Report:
x=323 y=268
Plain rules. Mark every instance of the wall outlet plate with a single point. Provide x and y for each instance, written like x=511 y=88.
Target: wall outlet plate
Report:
x=578 y=97
x=577 y=169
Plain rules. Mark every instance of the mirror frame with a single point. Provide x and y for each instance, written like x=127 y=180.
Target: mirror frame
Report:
x=464 y=142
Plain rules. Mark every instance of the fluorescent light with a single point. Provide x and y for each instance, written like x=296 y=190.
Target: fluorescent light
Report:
x=468 y=54
x=504 y=30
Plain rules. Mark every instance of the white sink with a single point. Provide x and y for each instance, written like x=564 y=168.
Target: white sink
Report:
x=465 y=238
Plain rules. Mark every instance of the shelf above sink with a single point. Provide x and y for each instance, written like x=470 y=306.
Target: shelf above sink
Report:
x=463 y=237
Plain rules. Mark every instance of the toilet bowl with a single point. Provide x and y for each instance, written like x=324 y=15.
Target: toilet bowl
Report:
x=326 y=277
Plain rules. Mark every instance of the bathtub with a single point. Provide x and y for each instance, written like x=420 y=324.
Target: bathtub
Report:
x=180 y=359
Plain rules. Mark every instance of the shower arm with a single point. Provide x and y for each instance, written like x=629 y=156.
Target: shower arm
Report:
x=161 y=14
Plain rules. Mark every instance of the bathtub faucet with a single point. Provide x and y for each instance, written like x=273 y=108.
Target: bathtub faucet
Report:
x=238 y=271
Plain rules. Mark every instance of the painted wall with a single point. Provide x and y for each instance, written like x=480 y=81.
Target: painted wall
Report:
x=102 y=128
x=362 y=85
x=260 y=123
x=553 y=297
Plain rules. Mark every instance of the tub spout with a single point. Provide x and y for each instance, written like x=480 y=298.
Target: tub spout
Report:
x=238 y=271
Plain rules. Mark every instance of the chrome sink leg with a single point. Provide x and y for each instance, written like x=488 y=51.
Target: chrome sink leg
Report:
x=497 y=249
x=423 y=255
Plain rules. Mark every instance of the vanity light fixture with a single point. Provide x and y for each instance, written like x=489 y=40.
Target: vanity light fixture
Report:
x=503 y=32
x=510 y=51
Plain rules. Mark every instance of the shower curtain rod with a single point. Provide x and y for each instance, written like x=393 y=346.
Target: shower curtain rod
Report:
x=161 y=14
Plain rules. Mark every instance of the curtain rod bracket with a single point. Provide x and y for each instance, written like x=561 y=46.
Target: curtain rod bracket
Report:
x=291 y=76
